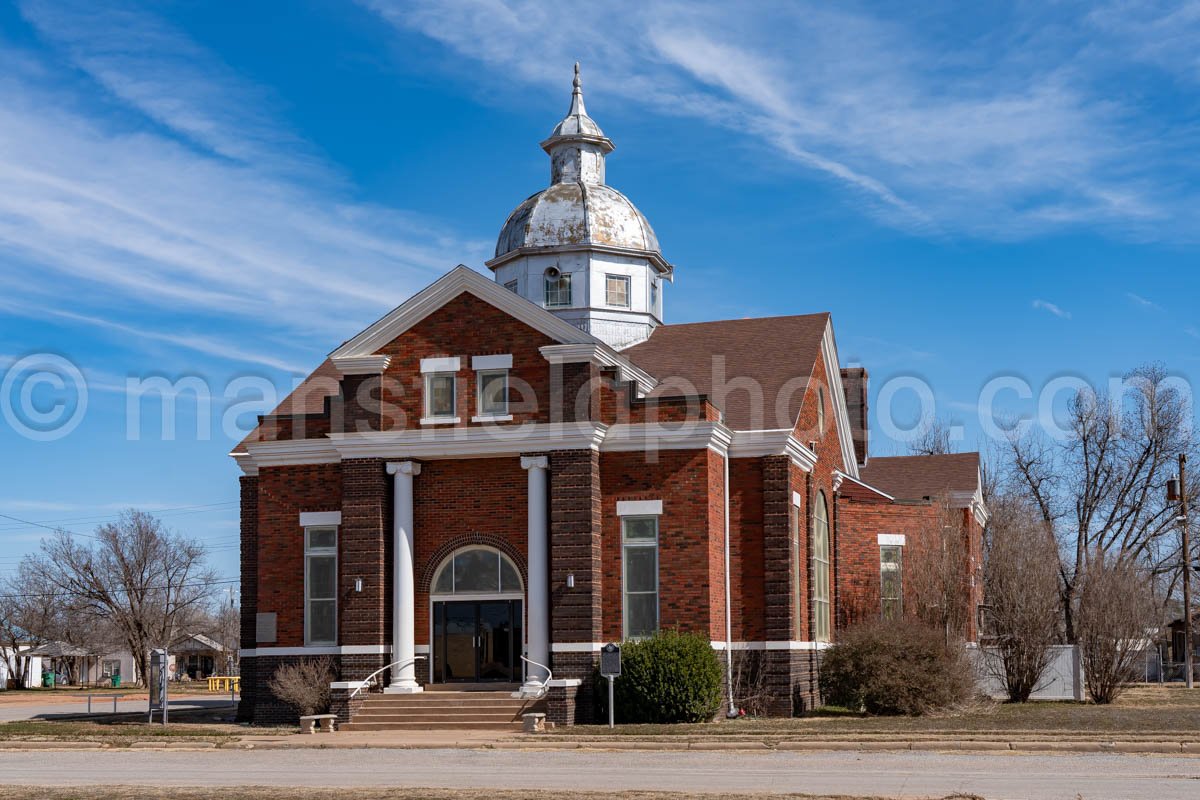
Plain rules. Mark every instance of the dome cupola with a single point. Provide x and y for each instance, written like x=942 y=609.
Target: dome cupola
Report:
x=579 y=247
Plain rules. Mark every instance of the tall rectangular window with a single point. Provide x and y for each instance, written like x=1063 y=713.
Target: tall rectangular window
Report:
x=320 y=586
x=654 y=296
x=616 y=290
x=493 y=393
x=820 y=571
x=639 y=575
x=796 y=523
x=439 y=395
x=891 y=580
x=558 y=290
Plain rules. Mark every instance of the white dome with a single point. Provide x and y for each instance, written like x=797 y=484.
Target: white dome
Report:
x=576 y=214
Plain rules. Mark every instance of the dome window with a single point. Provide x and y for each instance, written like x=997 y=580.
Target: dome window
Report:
x=558 y=288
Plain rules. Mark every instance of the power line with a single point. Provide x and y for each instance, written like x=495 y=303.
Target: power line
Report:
x=172 y=511
x=45 y=595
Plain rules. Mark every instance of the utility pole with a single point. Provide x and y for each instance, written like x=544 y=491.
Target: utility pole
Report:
x=1177 y=491
x=1187 y=570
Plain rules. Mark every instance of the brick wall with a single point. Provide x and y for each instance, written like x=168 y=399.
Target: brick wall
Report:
x=249 y=573
x=283 y=493
x=456 y=503
x=687 y=597
x=576 y=614
x=444 y=333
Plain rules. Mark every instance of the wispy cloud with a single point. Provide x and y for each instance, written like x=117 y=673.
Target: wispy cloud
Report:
x=1149 y=305
x=991 y=130
x=1044 y=305
x=175 y=190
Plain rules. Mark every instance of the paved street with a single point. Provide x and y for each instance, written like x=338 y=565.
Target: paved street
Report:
x=100 y=705
x=1020 y=777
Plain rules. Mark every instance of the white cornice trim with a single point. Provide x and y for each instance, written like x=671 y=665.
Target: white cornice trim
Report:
x=443 y=290
x=503 y=440
x=833 y=371
x=473 y=442
x=661 y=265
x=868 y=486
x=601 y=355
x=634 y=437
x=777 y=442
x=362 y=365
x=246 y=463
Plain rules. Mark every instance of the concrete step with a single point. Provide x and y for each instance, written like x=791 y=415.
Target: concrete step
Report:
x=431 y=726
x=364 y=717
x=448 y=702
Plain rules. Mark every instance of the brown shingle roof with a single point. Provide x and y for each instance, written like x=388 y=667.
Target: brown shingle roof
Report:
x=307 y=398
x=770 y=351
x=916 y=477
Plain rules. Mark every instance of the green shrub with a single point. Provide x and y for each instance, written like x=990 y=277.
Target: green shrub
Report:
x=896 y=667
x=667 y=678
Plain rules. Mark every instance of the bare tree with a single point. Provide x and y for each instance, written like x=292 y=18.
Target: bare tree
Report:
x=1023 y=617
x=139 y=577
x=1116 y=613
x=937 y=571
x=1101 y=486
x=30 y=615
x=934 y=440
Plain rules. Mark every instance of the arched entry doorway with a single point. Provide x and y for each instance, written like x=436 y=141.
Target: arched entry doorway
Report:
x=477 y=603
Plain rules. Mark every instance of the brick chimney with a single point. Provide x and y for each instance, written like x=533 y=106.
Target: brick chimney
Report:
x=854 y=384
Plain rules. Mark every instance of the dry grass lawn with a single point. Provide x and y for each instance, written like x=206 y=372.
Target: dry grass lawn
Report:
x=1144 y=710
x=210 y=725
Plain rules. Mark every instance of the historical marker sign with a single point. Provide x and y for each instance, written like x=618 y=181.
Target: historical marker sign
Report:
x=610 y=661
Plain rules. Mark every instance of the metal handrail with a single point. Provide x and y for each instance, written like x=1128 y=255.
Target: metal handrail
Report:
x=549 y=674
x=367 y=681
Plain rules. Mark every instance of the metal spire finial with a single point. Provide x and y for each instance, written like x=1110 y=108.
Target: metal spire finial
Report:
x=577 y=83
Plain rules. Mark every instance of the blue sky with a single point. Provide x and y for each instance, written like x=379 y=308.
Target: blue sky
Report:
x=228 y=191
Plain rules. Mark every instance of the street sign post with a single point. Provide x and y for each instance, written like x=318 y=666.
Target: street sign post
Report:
x=610 y=667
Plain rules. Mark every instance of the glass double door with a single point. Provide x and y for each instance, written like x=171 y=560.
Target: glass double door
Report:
x=476 y=641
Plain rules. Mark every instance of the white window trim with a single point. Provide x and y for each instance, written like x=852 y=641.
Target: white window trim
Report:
x=430 y=418
x=892 y=539
x=657 y=568
x=483 y=416
x=639 y=508
x=320 y=519
x=323 y=551
x=628 y=290
x=450 y=364
x=491 y=362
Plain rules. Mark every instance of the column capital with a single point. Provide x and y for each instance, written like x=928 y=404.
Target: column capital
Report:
x=535 y=462
x=404 y=467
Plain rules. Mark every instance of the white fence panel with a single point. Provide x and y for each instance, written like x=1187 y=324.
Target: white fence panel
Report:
x=1062 y=679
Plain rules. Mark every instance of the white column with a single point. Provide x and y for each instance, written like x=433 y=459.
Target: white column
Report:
x=537 y=612
x=404 y=673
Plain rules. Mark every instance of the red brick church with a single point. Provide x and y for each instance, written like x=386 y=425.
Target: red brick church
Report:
x=501 y=475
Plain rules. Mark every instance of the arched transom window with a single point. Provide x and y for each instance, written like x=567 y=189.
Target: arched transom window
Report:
x=477 y=570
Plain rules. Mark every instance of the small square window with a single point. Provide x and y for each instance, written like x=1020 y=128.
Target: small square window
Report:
x=511 y=286
x=493 y=393
x=439 y=394
x=616 y=290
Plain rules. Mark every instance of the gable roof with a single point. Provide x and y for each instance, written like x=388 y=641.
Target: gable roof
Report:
x=918 y=477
